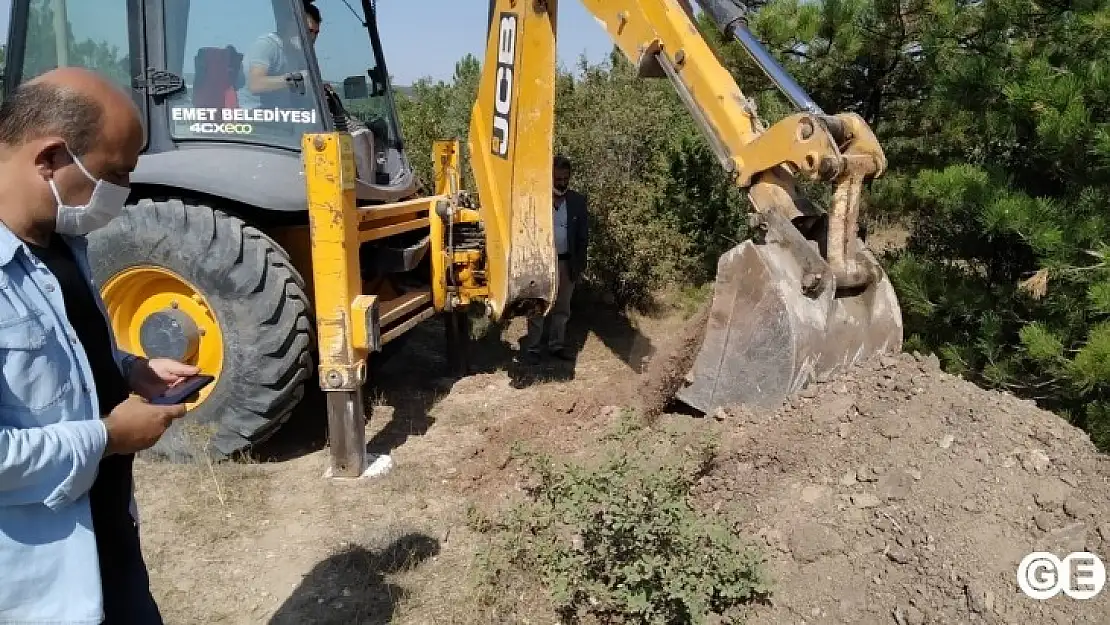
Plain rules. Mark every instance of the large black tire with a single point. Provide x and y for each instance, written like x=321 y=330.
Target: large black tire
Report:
x=258 y=299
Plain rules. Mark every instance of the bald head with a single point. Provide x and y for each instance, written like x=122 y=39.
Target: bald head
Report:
x=66 y=111
x=72 y=103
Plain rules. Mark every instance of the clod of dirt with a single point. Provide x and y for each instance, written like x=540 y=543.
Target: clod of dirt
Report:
x=1104 y=533
x=923 y=512
x=1036 y=461
x=1076 y=508
x=865 y=500
x=899 y=555
x=980 y=600
x=1051 y=494
x=812 y=541
x=909 y=615
x=895 y=485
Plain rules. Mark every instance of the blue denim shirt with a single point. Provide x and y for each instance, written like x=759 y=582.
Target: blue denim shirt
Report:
x=51 y=442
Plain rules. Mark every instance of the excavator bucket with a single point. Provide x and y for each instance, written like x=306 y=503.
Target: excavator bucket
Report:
x=804 y=298
x=767 y=335
x=800 y=300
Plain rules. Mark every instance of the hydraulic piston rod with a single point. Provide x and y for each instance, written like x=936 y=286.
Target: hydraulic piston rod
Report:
x=731 y=17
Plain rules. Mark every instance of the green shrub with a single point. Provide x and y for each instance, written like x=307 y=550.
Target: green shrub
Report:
x=621 y=543
x=661 y=207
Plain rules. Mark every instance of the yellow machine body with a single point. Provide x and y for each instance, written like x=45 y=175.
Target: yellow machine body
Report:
x=262 y=304
x=803 y=299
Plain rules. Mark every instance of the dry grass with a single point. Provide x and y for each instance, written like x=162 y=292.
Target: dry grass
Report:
x=246 y=543
x=888 y=238
x=193 y=517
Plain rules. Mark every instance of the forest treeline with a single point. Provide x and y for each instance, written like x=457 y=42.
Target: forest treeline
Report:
x=993 y=116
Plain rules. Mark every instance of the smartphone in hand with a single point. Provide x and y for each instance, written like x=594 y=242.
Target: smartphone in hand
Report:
x=183 y=391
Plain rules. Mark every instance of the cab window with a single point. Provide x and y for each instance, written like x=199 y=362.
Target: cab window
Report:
x=215 y=45
x=96 y=36
x=348 y=63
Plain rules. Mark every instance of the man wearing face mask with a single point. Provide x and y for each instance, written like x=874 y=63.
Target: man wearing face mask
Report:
x=69 y=542
x=571 y=240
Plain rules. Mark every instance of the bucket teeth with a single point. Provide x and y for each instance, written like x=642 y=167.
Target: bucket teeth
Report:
x=766 y=336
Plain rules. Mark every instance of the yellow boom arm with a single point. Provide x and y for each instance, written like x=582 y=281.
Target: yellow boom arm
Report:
x=512 y=122
x=511 y=132
x=803 y=298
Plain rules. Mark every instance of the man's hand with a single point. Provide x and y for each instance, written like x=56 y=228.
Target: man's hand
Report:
x=136 y=425
x=151 y=378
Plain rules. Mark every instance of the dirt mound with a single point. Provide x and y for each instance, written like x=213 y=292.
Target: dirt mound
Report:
x=666 y=372
x=899 y=494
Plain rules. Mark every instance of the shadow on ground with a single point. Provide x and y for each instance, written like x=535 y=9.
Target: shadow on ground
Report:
x=591 y=315
x=350 y=587
x=405 y=387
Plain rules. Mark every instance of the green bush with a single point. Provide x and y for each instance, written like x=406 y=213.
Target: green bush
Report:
x=661 y=208
x=621 y=543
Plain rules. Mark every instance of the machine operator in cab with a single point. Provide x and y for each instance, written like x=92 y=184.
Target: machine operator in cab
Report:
x=274 y=56
x=278 y=56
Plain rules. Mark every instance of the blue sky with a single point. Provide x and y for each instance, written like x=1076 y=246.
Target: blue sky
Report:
x=451 y=28
x=420 y=37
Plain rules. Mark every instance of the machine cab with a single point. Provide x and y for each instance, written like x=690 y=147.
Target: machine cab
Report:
x=248 y=75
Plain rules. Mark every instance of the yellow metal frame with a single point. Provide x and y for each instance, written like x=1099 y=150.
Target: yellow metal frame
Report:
x=334 y=219
x=457 y=276
x=348 y=321
x=445 y=159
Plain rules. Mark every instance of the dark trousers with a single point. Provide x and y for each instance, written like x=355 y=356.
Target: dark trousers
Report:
x=123 y=575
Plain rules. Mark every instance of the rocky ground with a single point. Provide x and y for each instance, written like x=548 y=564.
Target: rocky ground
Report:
x=899 y=494
x=892 y=494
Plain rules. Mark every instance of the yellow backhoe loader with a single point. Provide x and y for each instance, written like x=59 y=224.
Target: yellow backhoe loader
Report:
x=277 y=235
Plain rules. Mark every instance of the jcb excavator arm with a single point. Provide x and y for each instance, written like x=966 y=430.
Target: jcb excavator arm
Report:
x=511 y=136
x=802 y=299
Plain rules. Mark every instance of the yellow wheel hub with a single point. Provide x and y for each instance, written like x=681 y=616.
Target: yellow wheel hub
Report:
x=156 y=313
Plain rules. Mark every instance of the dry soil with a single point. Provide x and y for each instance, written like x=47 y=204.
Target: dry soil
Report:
x=893 y=494
x=899 y=494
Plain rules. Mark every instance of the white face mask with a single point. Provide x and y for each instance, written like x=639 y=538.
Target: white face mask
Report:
x=105 y=204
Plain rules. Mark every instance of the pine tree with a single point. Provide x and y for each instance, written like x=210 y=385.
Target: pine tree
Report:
x=994 y=117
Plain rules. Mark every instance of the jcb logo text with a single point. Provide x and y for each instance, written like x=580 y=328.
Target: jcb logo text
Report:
x=503 y=88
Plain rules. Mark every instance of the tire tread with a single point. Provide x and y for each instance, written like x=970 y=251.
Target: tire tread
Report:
x=247 y=278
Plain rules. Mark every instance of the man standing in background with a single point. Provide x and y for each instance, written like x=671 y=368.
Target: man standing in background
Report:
x=571 y=241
